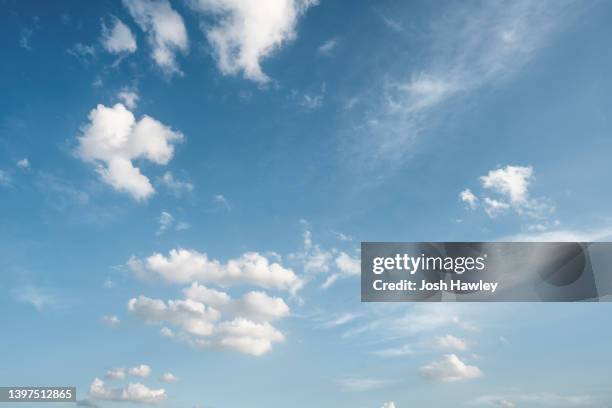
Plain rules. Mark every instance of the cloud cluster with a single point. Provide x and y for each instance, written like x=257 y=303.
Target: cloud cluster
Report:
x=186 y=266
x=244 y=32
x=113 y=138
x=449 y=369
x=511 y=186
x=165 y=29
x=199 y=318
x=118 y=38
x=134 y=392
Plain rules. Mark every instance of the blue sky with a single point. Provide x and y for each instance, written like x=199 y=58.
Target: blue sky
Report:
x=185 y=185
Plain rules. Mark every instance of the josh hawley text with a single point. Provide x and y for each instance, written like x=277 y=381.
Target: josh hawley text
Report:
x=453 y=285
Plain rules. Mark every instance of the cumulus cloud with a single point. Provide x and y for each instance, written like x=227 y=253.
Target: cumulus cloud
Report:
x=118 y=38
x=389 y=404
x=347 y=266
x=511 y=185
x=244 y=33
x=115 y=374
x=113 y=138
x=254 y=305
x=165 y=29
x=468 y=198
x=134 y=392
x=168 y=378
x=199 y=319
x=142 y=371
x=449 y=369
x=185 y=265
x=450 y=342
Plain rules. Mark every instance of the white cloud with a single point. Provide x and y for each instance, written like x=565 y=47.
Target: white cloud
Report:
x=311 y=102
x=112 y=321
x=247 y=32
x=450 y=342
x=115 y=374
x=221 y=200
x=495 y=207
x=511 y=181
x=363 y=384
x=200 y=324
x=113 y=138
x=142 y=371
x=328 y=47
x=449 y=369
x=184 y=266
x=545 y=399
x=23 y=163
x=389 y=404
x=128 y=97
x=169 y=378
x=118 y=38
x=84 y=53
x=177 y=187
x=340 y=320
x=469 y=198
x=134 y=392
x=347 y=266
x=165 y=31
x=253 y=305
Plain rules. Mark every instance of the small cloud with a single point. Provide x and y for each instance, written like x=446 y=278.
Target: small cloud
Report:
x=449 y=369
x=25 y=37
x=115 y=374
x=108 y=284
x=84 y=53
x=221 y=200
x=134 y=392
x=23 y=163
x=128 y=97
x=111 y=321
x=118 y=39
x=177 y=187
x=165 y=221
x=142 y=370
x=341 y=320
x=405 y=350
x=5 y=179
x=169 y=378
x=450 y=342
x=468 y=198
x=328 y=47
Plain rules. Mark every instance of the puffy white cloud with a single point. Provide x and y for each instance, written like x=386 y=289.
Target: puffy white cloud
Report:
x=112 y=321
x=184 y=266
x=495 y=207
x=142 y=370
x=176 y=186
x=450 y=342
x=118 y=38
x=192 y=317
x=468 y=198
x=253 y=305
x=511 y=181
x=113 y=138
x=449 y=369
x=134 y=392
x=247 y=32
x=168 y=378
x=389 y=404
x=115 y=374
x=128 y=97
x=165 y=31
x=23 y=163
